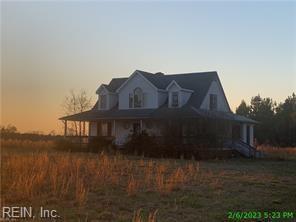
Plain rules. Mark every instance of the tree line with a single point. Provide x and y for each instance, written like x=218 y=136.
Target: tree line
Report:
x=277 y=122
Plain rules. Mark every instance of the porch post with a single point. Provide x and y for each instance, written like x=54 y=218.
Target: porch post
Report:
x=141 y=125
x=114 y=129
x=65 y=128
x=244 y=132
x=89 y=125
x=83 y=132
x=252 y=135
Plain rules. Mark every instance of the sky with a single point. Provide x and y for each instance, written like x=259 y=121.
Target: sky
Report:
x=49 y=48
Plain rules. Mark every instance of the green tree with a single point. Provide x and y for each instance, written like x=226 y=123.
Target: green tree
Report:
x=286 y=122
x=243 y=109
x=263 y=111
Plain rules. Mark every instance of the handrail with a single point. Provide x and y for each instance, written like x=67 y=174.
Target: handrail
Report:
x=246 y=144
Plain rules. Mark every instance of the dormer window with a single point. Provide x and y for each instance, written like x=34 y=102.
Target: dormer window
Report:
x=213 y=102
x=175 y=99
x=136 y=98
x=103 y=101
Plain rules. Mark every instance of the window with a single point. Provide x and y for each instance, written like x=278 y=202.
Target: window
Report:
x=138 y=97
x=175 y=99
x=103 y=101
x=213 y=102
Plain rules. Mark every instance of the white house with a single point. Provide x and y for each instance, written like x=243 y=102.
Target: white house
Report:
x=145 y=101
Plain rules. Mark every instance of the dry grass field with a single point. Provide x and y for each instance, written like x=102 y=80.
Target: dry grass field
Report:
x=100 y=187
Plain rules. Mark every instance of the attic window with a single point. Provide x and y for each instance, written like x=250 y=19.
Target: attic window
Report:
x=175 y=99
x=103 y=101
x=136 y=98
x=213 y=102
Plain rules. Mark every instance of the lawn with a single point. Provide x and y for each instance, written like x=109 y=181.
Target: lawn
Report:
x=100 y=187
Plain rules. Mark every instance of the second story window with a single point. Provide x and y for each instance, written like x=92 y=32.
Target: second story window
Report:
x=175 y=99
x=103 y=101
x=138 y=98
x=213 y=102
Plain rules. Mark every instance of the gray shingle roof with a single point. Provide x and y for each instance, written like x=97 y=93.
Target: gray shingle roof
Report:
x=114 y=84
x=198 y=82
x=162 y=113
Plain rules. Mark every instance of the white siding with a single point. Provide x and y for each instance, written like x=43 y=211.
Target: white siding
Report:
x=183 y=95
x=138 y=81
x=221 y=101
x=112 y=100
x=103 y=91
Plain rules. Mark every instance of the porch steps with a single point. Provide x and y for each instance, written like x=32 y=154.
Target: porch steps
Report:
x=245 y=149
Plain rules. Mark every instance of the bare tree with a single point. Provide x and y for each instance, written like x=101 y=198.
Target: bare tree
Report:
x=76 y=102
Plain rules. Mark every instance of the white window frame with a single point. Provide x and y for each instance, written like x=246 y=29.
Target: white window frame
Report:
x=172 y=99
x=131 y=99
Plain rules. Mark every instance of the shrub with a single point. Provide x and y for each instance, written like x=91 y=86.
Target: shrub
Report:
x=142 y=144
x=64 y=144
x=99 y=144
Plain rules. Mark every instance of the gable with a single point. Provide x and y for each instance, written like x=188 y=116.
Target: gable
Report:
x=102 y=90
x=173 y=86
x=137 y=81
x=135 y=74
x=222 y=104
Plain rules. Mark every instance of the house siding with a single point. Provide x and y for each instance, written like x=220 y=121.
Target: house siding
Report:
x=221 y=101
x=183 y=96
x=112 y=100
x=138 y=81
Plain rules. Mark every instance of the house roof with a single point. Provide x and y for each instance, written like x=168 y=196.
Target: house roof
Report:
x=197 y=82
x=114 y=84
x=161 y=113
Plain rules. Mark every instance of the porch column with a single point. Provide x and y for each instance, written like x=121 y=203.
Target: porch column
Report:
x=89 y=125
x=114 y=129
x=141 y=125
x=83 y=124
x=65 y=128
x=251 y=135
x=244 y=132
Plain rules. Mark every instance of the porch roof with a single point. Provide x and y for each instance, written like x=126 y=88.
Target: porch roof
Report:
x=161 y=113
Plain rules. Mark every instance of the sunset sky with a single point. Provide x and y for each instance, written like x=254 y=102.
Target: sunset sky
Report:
x=49 y=48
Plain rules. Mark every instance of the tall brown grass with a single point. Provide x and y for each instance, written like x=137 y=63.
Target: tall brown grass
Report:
x=278 y=152
x=65 y=175
x=27 y=144
x=139 y=218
